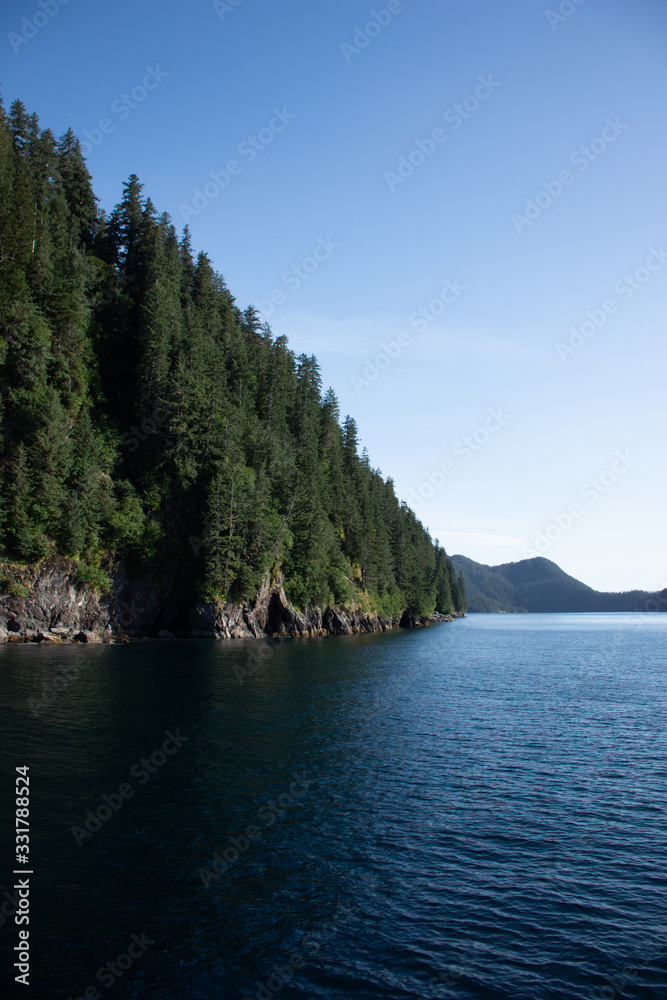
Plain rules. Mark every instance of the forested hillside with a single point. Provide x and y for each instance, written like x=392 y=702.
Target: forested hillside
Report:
x=539 y=585
x=147 y=419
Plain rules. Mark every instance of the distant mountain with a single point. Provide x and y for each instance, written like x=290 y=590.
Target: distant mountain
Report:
x=540 y=585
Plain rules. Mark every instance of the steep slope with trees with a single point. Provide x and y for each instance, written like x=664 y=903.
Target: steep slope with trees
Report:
x=151 y=424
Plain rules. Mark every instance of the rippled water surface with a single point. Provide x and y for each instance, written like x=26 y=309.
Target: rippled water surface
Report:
x=476 y=809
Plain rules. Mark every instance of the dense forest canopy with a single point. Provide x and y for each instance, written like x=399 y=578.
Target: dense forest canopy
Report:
x=146 y=418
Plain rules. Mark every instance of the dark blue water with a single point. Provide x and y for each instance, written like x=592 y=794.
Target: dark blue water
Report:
x=477 y=809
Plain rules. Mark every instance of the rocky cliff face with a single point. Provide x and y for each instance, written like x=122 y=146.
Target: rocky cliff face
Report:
x=54 y=609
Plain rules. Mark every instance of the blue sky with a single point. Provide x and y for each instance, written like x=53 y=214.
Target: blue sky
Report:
x=527 y=223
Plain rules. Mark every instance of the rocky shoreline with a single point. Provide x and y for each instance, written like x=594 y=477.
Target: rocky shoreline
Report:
x=56 y=610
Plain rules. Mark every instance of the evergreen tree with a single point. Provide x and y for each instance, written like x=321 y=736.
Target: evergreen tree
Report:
x=144 y=414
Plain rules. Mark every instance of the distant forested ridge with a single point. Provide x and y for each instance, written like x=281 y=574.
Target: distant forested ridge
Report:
x=147 y=420
x=539 y=585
